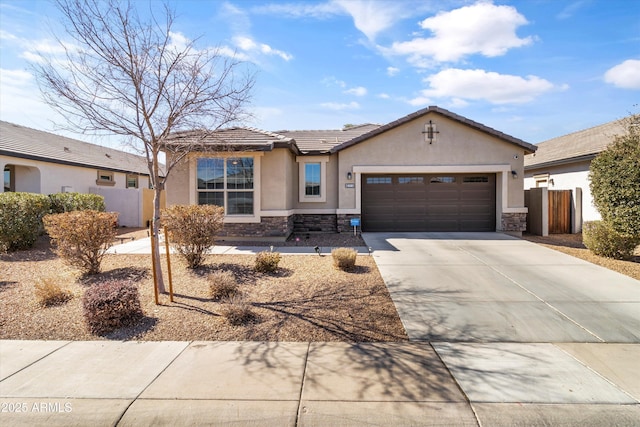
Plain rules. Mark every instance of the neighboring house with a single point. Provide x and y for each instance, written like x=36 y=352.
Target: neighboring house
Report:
x=563 y=164
x=431 y=170
x=40 y=162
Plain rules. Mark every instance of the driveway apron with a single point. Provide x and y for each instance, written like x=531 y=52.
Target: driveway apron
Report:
x=491 y=287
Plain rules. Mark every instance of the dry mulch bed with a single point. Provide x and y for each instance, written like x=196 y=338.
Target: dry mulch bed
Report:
x=307 y=299
x=571 y=244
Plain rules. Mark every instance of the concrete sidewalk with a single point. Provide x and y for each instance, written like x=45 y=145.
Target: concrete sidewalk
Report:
x=143 y=246
x=59 y=383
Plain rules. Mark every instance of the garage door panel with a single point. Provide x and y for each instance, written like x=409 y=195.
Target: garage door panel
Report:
x=443 y=202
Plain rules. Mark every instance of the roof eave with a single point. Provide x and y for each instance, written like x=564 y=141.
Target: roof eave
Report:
x=559 y=162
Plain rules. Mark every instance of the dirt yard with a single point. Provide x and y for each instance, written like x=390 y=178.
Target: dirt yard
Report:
x=307 y=299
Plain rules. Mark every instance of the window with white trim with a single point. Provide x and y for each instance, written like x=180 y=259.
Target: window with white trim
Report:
x=313 y=178
x=226 y=182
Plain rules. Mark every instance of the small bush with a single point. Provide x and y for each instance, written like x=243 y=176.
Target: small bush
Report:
x=49 y=293
x=344 y=258
x=21 y=219
x=192 y=230
x=111 y=305
x=603 y=240
x=82 y=237
x=68 y=202
x=267 y=262
x=222 y=284
x=238 y=312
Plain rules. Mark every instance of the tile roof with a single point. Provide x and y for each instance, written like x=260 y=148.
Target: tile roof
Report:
x=235 y=138
x=322 y=141
x=433 y=109
x=584 y=144
x=24 y=142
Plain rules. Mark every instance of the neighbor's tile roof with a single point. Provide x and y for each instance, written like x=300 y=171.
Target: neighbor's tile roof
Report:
x=579 y=145
x=322 y=141
x=23 y=142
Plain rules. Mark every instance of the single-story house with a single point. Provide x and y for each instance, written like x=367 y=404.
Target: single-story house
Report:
x=431 y=170
x=34 y=161
x=563 y=163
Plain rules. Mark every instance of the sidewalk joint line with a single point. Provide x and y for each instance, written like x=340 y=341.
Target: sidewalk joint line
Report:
x=304 y=376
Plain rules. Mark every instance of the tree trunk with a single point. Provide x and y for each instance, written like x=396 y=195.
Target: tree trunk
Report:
x=155 y=250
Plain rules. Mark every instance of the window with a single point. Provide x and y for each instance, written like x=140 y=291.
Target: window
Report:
x=378 y=180
x=443 y=180
x=132 y=181
x=469 y=179
x=105 y=178
x=541 y=180
x=312 y=178
x=410 y=180
x=9 y=178
x=227 y=183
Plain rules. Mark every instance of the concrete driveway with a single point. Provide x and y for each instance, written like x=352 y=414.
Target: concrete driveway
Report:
x=491 y=287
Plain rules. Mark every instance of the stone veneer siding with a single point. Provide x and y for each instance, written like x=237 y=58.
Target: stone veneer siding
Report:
x=344 y=223
x=269 y=226
x=514 y=221
x=323 y=223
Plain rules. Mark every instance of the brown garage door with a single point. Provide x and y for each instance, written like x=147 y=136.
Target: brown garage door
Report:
x=434 y=202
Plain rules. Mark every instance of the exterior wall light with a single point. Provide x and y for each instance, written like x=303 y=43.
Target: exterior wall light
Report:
x=349 y=176
x=430 y=132
x=514 y=174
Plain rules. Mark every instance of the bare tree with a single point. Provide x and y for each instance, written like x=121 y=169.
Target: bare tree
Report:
x=139 y=79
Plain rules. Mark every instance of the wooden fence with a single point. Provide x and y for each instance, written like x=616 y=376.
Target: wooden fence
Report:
x=559 y=211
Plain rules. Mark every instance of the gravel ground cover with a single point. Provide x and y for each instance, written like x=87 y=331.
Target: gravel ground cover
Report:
x=307 y=299
x=571 y=244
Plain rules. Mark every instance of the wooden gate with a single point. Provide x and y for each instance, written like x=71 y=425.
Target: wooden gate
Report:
x=559 y=211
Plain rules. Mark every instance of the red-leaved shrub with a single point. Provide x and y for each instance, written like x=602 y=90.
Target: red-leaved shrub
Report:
x=111 y=305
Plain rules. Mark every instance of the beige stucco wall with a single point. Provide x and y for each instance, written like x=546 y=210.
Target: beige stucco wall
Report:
x=457 y=148
x=276 y=180
x=177 y=186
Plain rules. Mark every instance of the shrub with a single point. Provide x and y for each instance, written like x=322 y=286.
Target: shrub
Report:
x=615 y=180
x=67 y=202
x=267 y=262
x=237 y=311
x=21 y=219
x=111 y=305
x=601 y=239
x=48 y=292
x=82 y=237
x=192 y=230
x=344 y=258
x=222 y=284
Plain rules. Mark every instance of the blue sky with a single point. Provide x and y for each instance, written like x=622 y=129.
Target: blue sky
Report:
x=534 y=69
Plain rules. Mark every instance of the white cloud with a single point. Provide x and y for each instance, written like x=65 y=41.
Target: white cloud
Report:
x=482 y=28
x=12 y=78
x=373 y=16
x=178 y=41
x=339 y=107
x=625 y=75
x=392 y=71
x=463 y=85
x=247 y=44
x=384 y=96
x=300 y=10
x=357 y=91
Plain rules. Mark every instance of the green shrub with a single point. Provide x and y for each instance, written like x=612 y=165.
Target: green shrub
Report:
x=82 y=237
x=267 y=262
x=192 y=230
x=67 y=202
x=21 y=219
x=601 y=239
x=111 y=305
x=344 y=258
x=48 y=292
x=237 y=311
x=222 y=284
